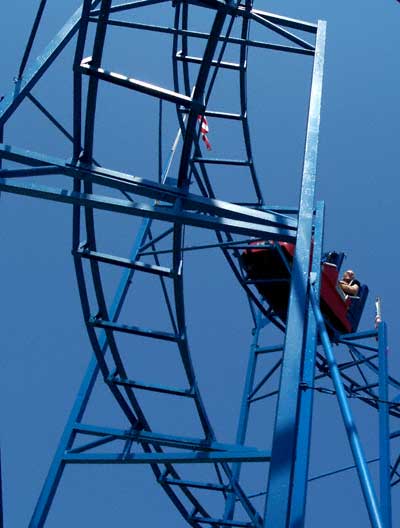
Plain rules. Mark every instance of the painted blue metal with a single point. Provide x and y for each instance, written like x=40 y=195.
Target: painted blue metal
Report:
x=130 y=5
x=204 y=36
x=279 y=493
x=264 y=379
x=165 y=213
x=351 y=429
x=299 y=494
x=32 y=37
x=384 y=431
x=198 y=97
x=182 y=442
x=280 y=31
x=194 y=457
x=244 y=414
x=139 y=86
x=244 y=111
x=57 y=467
x=50 y=117
x=286 y=22
x=269 y=349
x=285 y=504
x=161 y=271
x=180 y=321
x=32 y=75
x=150 y=189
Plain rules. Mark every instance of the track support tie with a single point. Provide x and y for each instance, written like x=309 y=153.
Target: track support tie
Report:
x=222 y=522
x=135 y=330
x=192 y=484
x=189 y=393
x=199 y=60
x=221 y=161
x=220 y=115
x=137 y=85
x=361 y=388
x=124 y=262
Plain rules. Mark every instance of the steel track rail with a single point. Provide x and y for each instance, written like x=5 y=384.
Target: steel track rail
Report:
x=192 y=166
x=126 y=396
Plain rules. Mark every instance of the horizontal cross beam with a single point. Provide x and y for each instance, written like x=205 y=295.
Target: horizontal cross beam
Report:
x=198 y=457
x=149 y=437
x=148 y=188
x=164 y=213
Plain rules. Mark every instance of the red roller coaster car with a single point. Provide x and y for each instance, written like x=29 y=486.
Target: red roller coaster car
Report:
x=268 y=266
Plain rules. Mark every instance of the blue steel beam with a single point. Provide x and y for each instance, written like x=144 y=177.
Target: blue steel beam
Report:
x=161 y=389
x=140 y=86
x=197 y=457
x=189 y=135
x=198 y=60
x=351 y=429
x=57 y=467
x=161 y=271
x=78 y=410
x=384 y=431
x=194 y=484
x=181 y=506
x=244 y=414
x=32 y=37
x=285 y=21
x=277 y=29
x=148 y=188
x=245 y=34
x=50 y=117
x=177 y=279
x=177 y=231
x=130 y=5
x=151 y=437
x=166 y=213
x=205 y=36
x=269 y=349
x=306 y=397
x=32 y=75
x=359 y=335
x=265 y=378
x=278 y=504
x=222 y=522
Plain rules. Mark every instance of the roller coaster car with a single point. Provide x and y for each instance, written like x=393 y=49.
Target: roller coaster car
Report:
x=268 y=266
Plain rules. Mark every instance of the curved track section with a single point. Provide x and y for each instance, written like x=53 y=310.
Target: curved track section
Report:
x=152 y=401
x=192 y=95
x=102 y=321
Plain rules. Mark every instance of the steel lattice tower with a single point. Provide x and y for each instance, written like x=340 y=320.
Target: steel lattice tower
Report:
x=183 y=193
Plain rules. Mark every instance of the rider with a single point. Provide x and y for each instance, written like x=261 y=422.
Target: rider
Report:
x=349 y=284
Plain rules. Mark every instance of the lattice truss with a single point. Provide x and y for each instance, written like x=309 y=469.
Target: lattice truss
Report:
x=158 y=69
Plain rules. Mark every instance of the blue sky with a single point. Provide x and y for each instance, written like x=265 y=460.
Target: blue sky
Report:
x=44 y=346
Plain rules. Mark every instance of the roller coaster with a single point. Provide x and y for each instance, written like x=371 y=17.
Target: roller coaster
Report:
x=206 y=194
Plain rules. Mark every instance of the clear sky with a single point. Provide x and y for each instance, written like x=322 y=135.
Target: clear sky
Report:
x=44 y=346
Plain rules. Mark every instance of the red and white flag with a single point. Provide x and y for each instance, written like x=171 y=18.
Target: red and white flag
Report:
x=204 y=130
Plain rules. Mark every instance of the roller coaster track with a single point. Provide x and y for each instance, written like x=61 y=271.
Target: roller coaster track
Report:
x=169 y=208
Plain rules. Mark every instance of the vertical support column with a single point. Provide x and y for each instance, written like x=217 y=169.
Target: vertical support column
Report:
x=351 y=429
x=279 y=493
x=244 y=413
x=307 y=396
x=57 y=467
x=58 y=464
x=384 y=440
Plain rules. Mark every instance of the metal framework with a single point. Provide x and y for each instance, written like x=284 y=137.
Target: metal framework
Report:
x=180 y=195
